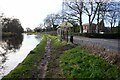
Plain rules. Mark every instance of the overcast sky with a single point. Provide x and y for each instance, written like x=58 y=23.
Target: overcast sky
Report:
x=30 y=12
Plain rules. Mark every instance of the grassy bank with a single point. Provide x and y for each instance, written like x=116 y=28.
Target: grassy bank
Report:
x=72 y=61
x=57 y=48
x=78 y=63
x=66 y=61
x=28 y=68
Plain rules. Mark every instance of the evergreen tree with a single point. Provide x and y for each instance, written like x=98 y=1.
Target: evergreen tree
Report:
x=12 y=25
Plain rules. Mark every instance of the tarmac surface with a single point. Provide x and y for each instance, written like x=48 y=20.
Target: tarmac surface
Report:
x=111 y=44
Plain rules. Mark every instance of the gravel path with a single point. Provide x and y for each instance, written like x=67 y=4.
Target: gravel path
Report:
x=111 y=44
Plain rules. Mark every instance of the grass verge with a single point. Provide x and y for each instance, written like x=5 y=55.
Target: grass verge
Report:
x=71 y=61
x=78 y=63
x=28 y=68
x=57 y=47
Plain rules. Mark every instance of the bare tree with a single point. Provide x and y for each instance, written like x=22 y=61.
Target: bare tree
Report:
x=102 y=9
x=52 y=20
x=28 y=29
x=113 y=13
x=91 y=9
x=74 y=10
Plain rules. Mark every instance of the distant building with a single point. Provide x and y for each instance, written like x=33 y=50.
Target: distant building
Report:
x=102 y=29
x=86 y=27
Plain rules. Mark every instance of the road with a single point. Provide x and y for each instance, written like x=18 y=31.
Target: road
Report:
x=111 y=44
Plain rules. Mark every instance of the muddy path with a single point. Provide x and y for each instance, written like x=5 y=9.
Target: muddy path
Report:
x=44 y=62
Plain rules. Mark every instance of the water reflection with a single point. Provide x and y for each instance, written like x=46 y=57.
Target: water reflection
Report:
x=13 y=42
x=14 y=50
x=9 y=45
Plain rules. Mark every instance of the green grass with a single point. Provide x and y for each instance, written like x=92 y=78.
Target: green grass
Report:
x=29 y=33
x=57 y=47
x=78 y=63
x=66 y=61
x=28 y=68
x=55 y=41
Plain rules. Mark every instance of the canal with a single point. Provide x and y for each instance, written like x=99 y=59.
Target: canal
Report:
x=13 y=50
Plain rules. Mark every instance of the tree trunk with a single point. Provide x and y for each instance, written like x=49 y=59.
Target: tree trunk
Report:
x=98 y=23
x=111 y=26
x=80 y=22
x=81 y=27
x=89 y=27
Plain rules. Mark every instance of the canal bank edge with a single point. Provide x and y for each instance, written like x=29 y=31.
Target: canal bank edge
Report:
x=67 y=54
x=28 y=68
x=54 y=67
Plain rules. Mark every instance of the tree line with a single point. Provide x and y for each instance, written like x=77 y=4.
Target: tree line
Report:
x=12 y=25
x=100 y=11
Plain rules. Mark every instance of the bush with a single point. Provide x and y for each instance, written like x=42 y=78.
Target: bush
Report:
x=105 y=35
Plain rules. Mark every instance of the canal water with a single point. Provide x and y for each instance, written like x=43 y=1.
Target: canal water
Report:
x=13 y=50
